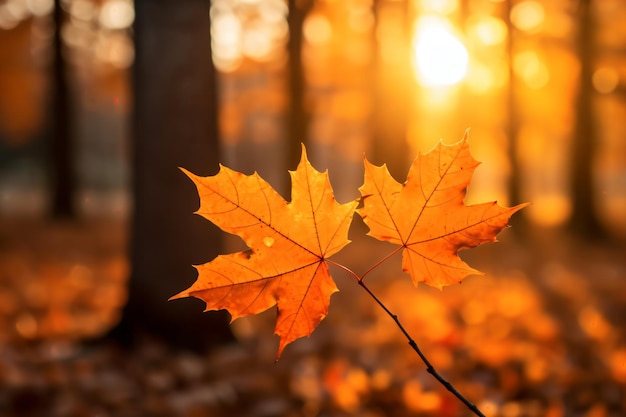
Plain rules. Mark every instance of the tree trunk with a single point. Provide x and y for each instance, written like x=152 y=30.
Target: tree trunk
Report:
x=175 y=125
x=298 y=119
x=512 y=130
x=392 y=101
x=61 y=163
x=584 y=220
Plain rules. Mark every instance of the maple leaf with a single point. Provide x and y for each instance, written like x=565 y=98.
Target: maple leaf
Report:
x=426 y=215
x=288 y=243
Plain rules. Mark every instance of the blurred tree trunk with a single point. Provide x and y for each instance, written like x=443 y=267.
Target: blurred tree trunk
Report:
x=175 y=125
x=61 y=164
x=512 y=128
x=584 y=220
x=392 y=101
x=298 y=119
x=513 y=113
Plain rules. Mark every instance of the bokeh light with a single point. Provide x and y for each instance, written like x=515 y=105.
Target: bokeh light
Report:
x=605 y=80
x=489 y=30
x=85 y=10
x=531 y=69
x=226 y=34
x=117 y=14
x=317 y=30
x=483 y=78
x=252 y=30
x=360 y=18
x=528 y=15
x=40 y=7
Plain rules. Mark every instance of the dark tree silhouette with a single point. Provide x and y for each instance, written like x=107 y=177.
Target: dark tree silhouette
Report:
x=584 y=220
x=175 y=124
x=392 y=102
x=298 y=119
x=512 y=128
x=61 y=162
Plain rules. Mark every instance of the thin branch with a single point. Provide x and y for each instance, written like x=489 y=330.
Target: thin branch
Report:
x=429 y=367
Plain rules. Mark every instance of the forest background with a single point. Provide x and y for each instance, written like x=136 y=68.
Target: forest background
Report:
x=100 y=101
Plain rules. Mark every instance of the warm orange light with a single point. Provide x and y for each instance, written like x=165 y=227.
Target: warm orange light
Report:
x=605 y=80
x=256 y=42
x=550 y=209
x=317 y=30
x=226 y=32
x=257 y=32
x=439 y=6
x=117 y=14
x=531 y=69
x=490 y=30
x=440 y=57
x=528 y=15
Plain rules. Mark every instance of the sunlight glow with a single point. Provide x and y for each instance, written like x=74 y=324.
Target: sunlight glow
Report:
x=440 y=57
x=439 y=6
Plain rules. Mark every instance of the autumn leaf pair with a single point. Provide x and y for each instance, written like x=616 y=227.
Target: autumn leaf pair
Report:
x=290 y=242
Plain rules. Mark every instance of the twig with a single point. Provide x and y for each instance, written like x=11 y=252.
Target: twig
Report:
x=429 y=367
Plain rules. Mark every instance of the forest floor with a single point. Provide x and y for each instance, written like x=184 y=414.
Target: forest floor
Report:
x=543 y=333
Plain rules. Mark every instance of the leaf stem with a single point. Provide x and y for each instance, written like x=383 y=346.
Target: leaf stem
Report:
x=345 y=269
x=377 y=264
x=429 y=367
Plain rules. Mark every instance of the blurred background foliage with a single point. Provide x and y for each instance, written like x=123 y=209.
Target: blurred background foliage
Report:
x=541 y=85
x=535 y=81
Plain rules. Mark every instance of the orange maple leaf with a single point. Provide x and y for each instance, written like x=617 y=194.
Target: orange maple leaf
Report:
x=289 y=243
x=426 y=215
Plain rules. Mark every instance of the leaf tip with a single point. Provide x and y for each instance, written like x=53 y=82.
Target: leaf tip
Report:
x=182 y=294
x=517 y=208
x=186 y=172
x=303 y=154
x=466 y=135
x=281 y=347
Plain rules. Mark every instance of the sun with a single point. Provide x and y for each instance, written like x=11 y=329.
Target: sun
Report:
x=440 y=58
